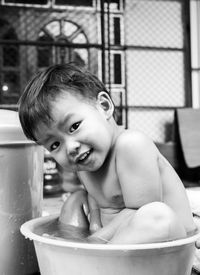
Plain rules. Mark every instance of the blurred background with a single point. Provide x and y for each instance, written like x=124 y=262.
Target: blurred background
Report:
x=145 y=51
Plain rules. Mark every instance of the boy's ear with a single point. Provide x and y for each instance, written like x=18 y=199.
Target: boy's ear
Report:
x=105 y=103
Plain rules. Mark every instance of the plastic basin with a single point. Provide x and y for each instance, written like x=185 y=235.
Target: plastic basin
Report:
x=62 y=257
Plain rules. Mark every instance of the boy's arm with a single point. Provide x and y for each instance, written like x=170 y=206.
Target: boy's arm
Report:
x=94 y=215
x=138 y=170
x=71 y=182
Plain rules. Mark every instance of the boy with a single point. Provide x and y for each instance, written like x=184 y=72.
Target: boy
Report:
x=133 y=195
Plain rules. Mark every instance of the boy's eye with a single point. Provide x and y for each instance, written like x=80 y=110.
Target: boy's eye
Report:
x=74 y=127
x=54 y=146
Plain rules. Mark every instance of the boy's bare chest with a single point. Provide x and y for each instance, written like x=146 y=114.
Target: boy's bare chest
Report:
x=104 y=186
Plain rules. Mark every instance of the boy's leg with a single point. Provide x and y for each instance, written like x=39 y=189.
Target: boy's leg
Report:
x=106 y=233
x=153 y=222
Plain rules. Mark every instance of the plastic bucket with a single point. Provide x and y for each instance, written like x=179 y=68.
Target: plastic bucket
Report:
x=62 y=257
x=21 y=194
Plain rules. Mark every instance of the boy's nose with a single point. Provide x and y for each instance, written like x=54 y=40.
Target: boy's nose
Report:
x=73 y=147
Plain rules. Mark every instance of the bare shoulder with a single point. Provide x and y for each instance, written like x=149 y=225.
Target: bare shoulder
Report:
x=137 y=168
x=135 y=141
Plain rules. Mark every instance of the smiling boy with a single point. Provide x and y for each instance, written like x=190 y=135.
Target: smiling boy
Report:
x=132 y=192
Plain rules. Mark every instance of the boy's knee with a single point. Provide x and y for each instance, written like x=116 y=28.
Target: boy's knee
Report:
x=155 y=211
x=159 y=221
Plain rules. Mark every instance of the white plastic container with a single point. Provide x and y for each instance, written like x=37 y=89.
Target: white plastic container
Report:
x=62 y=257
x=21 y=193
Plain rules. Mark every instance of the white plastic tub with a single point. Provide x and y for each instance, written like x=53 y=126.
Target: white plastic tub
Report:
x=71 y=258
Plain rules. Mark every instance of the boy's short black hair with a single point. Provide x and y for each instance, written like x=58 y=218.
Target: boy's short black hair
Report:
x=34 y=104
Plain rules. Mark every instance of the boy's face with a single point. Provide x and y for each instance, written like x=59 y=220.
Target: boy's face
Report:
x=80 y=136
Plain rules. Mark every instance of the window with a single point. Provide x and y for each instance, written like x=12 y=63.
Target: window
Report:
x=9 y=66
x=113 y=4
x=116 y=31
x=44 y=52
x=117 y=64
x=33 y=2
x=85 y=3
x=114 y=65
x=115 y=34
x=10 y=87
x=10 y=52
x=65 y=33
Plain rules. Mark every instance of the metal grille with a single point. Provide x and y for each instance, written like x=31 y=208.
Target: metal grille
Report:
x=140 y=49
x=157 y=65
x=162 y=85
x=156 y=123
x=161 y=24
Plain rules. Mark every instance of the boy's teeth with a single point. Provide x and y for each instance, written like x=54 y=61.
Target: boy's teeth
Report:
x=84 y=156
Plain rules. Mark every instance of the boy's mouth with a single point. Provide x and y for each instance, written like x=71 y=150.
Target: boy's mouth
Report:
x=84 y=156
